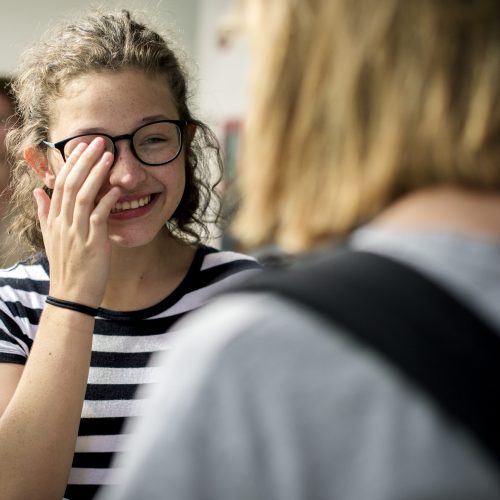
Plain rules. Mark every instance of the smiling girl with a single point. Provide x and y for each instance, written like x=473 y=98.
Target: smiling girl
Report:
x=112 y=194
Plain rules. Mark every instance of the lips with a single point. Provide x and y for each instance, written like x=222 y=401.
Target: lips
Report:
x=122 y=206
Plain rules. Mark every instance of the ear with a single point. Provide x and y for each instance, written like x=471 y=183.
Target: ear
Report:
x=40 y=164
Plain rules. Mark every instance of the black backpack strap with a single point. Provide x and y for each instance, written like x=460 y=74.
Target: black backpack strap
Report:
x=421 y=329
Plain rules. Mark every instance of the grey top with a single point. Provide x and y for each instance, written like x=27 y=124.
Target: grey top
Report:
x=261 y=400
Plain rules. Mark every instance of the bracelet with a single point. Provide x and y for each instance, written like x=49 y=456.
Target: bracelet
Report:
x=74 y=306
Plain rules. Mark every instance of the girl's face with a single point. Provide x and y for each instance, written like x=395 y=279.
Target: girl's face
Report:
x=116 y=104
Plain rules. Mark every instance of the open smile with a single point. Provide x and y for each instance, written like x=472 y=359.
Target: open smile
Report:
x=126 y=210
x=122 y=206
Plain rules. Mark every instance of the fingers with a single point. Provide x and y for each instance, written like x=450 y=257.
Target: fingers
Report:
x=85 y=199
x=75 y=190
x=74 y=214
x=99 y=217
x=80 y=174
x=58 y=191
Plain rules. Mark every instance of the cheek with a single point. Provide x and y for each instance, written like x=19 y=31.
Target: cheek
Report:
x=54 y=161
x=54 y=167
x=182 y=177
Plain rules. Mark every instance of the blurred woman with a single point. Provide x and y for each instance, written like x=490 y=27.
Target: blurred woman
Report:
x=374 y=122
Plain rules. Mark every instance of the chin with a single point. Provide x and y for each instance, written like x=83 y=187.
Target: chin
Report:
x=130 y=241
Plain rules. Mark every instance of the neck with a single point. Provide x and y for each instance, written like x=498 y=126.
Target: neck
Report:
x=446 y=208
x=141 y=277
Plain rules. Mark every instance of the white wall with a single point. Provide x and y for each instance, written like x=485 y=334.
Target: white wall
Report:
x=223 y=71
x=23 y=21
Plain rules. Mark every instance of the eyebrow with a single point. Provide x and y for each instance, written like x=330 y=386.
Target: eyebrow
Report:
x=145 y=120
x=156 y=117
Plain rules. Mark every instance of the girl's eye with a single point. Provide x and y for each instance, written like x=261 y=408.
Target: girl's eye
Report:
x=153 y=140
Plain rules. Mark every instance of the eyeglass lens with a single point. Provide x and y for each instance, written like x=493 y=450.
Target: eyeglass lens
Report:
x=156 y=143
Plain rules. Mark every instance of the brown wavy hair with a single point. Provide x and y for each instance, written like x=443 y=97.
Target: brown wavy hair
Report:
x=106 y=42
x=355 y=103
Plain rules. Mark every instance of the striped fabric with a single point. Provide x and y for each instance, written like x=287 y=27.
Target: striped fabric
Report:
x=122 y=347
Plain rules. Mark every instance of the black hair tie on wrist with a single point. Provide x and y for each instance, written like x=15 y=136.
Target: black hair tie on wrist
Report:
x=74 y=306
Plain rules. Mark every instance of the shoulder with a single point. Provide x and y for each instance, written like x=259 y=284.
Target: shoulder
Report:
x=35 y=268
x=27 y=277
x=224 y=267
x=291 y=366
x=212 y=258
x=23 y=289
x=240 y=331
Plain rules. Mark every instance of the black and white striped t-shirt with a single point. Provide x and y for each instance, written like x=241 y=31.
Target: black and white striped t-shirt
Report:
x=122 y=346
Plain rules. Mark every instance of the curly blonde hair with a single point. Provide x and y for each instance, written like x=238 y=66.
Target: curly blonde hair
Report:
x=355 y=103
x=106 y=42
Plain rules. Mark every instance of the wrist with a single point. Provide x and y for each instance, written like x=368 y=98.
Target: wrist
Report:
x=73 y=306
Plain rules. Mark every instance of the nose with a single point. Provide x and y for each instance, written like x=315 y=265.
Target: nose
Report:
x=127 y=171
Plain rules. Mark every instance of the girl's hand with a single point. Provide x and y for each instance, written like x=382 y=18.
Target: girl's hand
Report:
x=74 y=225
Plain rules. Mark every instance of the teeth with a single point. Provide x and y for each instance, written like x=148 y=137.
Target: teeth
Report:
x=128 y=205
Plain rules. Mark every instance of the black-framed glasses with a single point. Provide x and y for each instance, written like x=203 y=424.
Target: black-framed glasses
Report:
x=153 y=144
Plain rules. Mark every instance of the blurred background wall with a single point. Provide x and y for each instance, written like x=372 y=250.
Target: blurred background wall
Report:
x=218 y=70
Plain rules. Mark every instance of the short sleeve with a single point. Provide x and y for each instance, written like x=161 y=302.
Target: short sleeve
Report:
x=15 y=344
